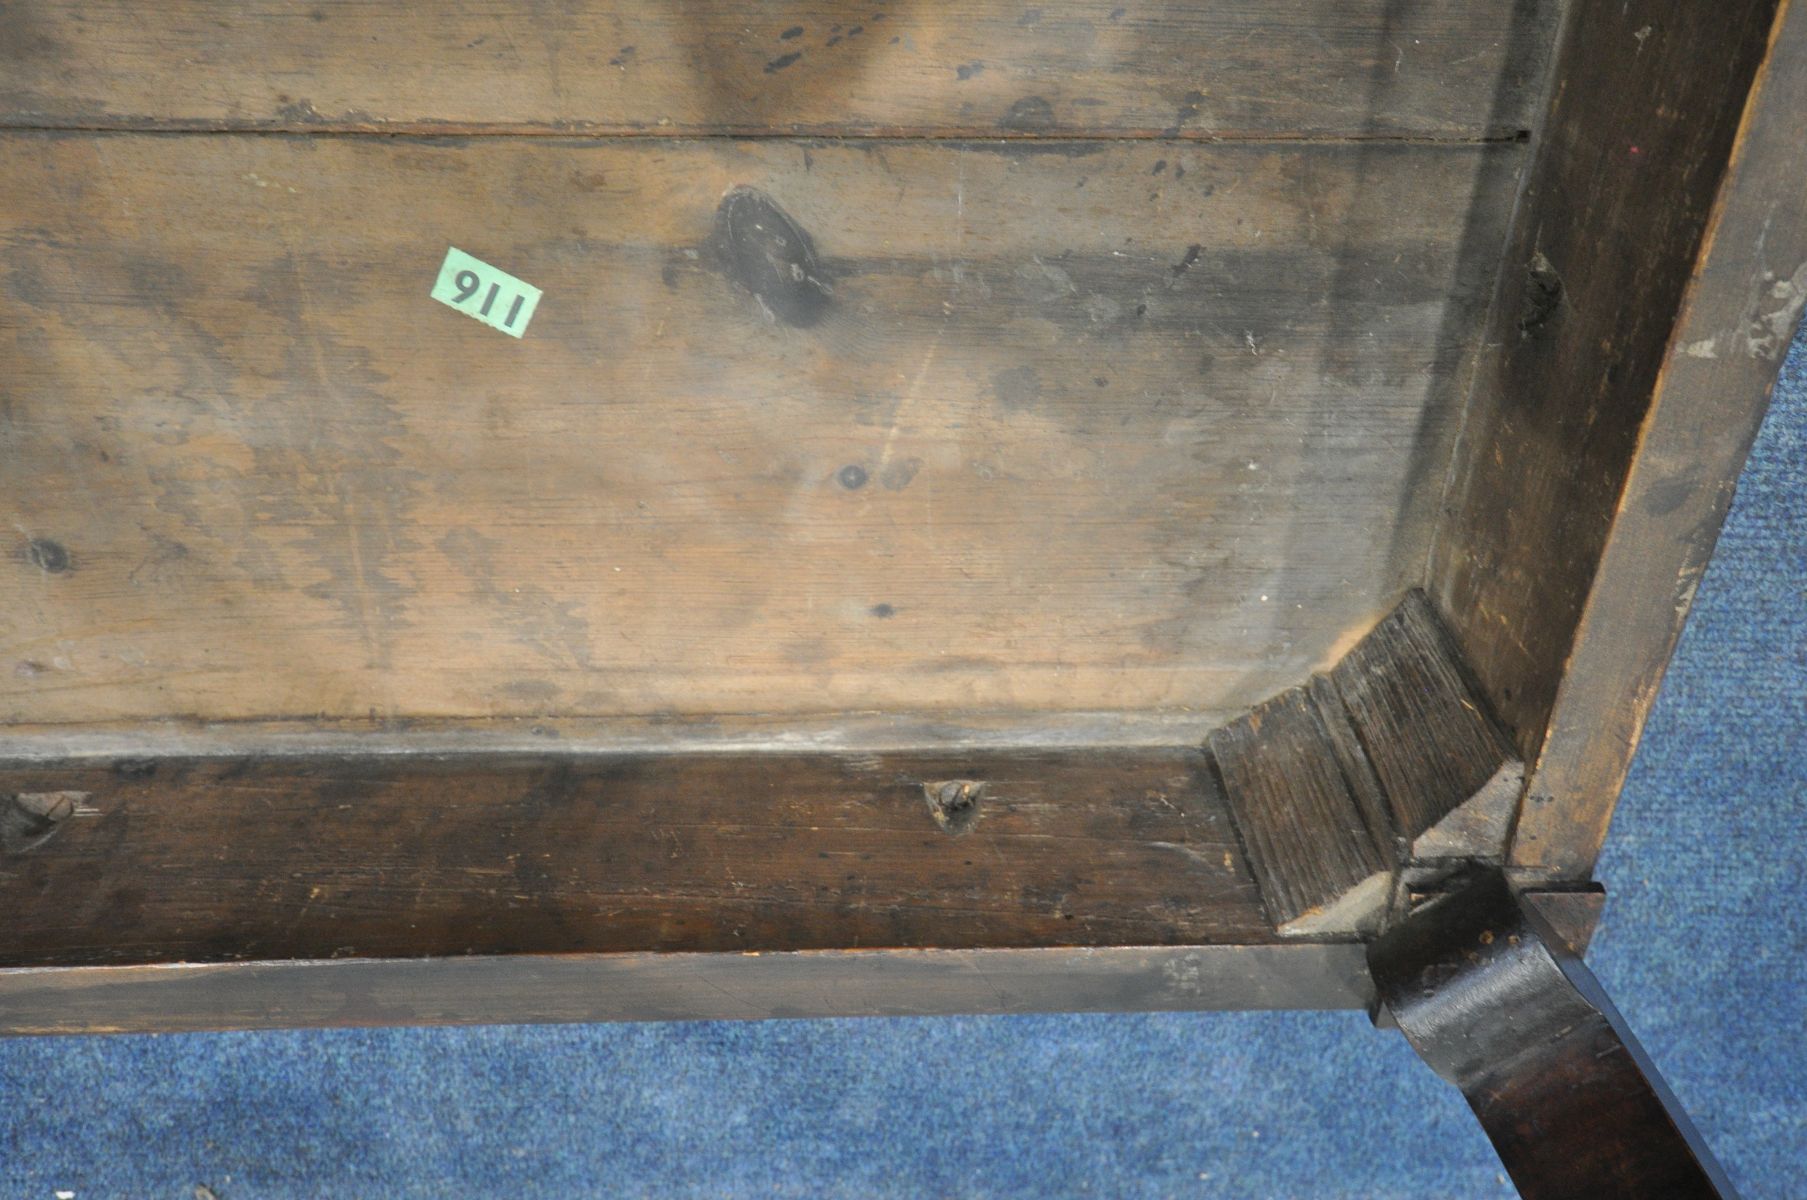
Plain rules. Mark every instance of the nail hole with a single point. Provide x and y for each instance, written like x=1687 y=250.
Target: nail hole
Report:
x=1542 y=296
x=29 y=819
x=954 y=803
x=852 y=476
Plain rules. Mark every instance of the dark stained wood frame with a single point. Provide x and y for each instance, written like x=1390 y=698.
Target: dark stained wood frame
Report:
x=1492 y=999
x=1608 y=427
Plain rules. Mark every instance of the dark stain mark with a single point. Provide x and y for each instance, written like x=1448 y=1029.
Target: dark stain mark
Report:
x=328 y=461
x=897 y=476
x=1031 y=16
x=1191 y=104
x=1159 y=166
x=782 y=61
x=896 y=40
x=1669 y=495
x=856 y=31
x=968 y=70
x=25 y=284
x=1185 y=264
x=1017 y=388
x=1543 y=294
x=623 y=57
x=834 y=41
x=162 y=561
x=1031 y=112
x=852 y=477
x=795 y=31
x=1047 y=281
x=770 y=255
x=1116 y=15
x=534 y=617
x=29 y=819
x=883 y=611
x=954 y=803
x=29 y=668
x=1179 y=172
x=1142 y=310
x=135 y=768
x=318 y=14
x=1023 y=148
x=47 y=555
x=1100 y=381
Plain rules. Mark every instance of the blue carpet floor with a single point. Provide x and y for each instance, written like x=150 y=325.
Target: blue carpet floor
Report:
x=1704 y=945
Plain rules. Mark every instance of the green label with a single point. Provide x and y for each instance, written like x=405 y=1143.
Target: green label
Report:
x=493 y=296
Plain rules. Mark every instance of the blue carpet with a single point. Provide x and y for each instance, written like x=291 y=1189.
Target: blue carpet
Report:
x=1704 y=945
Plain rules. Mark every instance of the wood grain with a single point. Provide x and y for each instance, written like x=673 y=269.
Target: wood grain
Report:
x=1319 y=864
x=1362 y=778
x=1494 y=1001
x=1083 y=427
x=1350 y=67
x=1430 y=738
x=225 y=860
x=673 y=987
x=1605 y=306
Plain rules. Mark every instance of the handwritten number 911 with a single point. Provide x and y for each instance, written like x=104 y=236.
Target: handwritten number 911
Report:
x=467 y=284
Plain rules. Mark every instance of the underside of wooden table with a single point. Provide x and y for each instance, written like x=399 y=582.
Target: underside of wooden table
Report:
x=1065 y=507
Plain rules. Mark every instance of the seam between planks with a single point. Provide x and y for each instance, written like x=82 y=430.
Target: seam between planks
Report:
x=825 y=134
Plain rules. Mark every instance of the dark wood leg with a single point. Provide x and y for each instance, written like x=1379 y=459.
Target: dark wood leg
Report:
x=1491 y=998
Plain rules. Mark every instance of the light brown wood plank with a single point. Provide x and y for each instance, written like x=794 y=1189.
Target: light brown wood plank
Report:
x=1350 y=67
x=1081 y=428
